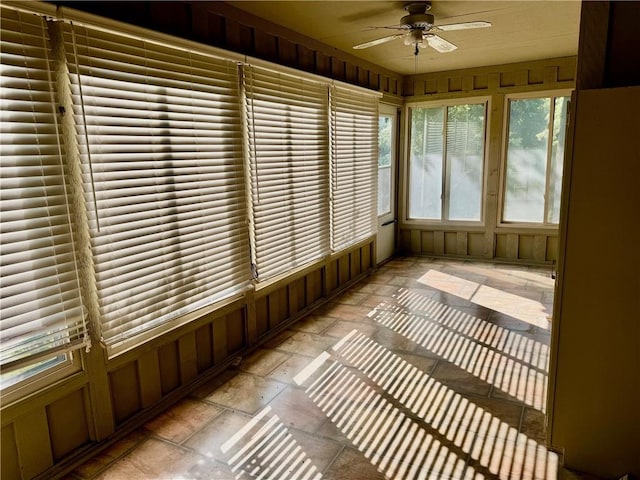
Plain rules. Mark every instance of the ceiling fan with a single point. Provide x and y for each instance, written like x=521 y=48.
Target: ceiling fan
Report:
x=418 y=26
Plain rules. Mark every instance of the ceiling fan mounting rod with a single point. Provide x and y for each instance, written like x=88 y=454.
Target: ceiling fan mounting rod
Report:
x=418 y=7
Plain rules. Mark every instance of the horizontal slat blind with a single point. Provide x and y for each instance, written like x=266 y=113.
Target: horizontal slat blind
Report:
x=354 y=161
x=42 y=313
x=287 y=123
x=161 y=146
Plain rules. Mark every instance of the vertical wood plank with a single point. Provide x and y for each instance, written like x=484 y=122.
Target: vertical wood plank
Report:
x=438 y=243
x=294 y=304
x=493 y=81
x=493 y=166
x=287 y=52
x=188 y=357
x=314 y=285
x=220 y=349
x=236 y=328
x=306 y=58
x=262 y=315
x=68 y=426
x=9 y=465
x=332 y=276
x=100 y=391
x=467 y=83
x=416 y=241
x=252 y=317
x=522 y=77
x=551 y=74
x=149 y=375
x=450 y=243
x=365 y=256
x=301 y=295
x=426 y=242
x=344 y=274
x=204 y=347
x=169 y=367
x=461 y=246
x=125 y=392
x=356 y=267
x=33 y=443
x=512 y=245
x=266 y=45
x=540 y=248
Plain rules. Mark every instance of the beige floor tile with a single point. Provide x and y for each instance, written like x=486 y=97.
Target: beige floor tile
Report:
x=351 y=465
x=296 y=410
x=321 y=451
x=245 y=392
x=460 y=380
x=533 y=423
x=313 y=324
x=344 y=327
x=209 y=440
x=154 y=459
x=183 y=420
x=263 y=361
x=304 y=343
x=290 y=368
x=105 y=458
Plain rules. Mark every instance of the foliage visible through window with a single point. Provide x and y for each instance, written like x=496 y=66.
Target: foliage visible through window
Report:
x=385 y=143
x=533 y=177
x=446 y=162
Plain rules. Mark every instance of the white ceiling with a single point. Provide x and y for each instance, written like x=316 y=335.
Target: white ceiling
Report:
x=521 y=31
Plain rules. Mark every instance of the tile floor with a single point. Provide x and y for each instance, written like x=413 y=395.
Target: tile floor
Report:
x=428 y=369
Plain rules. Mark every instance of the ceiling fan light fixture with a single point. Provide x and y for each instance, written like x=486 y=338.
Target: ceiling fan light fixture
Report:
x=415 y=37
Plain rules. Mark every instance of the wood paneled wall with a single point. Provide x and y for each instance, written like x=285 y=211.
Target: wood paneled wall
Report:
x=47 y=434
x=221 y=25
x=491 y=240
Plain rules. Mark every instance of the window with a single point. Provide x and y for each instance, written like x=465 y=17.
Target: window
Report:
x=446 y=162
x=385 y=144
x=42 y=314
x=161 y=147
x=354 y=153
x=534 y=160
x=288 y=148
x=180 y=170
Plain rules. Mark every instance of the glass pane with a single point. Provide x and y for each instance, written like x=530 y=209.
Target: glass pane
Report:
x=14 y=376
x=465 y=153
x=425 y=175
x=384 y=190
x=385 y=143
x=557 y=159
x=526 y=160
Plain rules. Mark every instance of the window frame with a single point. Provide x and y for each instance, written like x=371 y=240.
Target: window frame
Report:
x=43 y=367
x=533 y=226
x=406 y=163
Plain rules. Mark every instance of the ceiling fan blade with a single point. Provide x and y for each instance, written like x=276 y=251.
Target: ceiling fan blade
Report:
x=440 y=44
x=389 y=27
x=378 y=41
x=461 y=26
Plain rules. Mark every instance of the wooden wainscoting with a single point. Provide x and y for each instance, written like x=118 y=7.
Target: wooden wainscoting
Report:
x=48 y=433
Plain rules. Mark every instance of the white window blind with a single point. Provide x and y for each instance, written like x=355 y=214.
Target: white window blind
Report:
x=161 y=145
x=354 y=166
x=42 y=313
x=288 y=134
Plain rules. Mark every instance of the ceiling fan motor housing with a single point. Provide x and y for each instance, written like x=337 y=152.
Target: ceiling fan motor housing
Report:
x=421 y=21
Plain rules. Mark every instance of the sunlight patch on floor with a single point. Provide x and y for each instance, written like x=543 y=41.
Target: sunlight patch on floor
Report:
x=510 y=304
